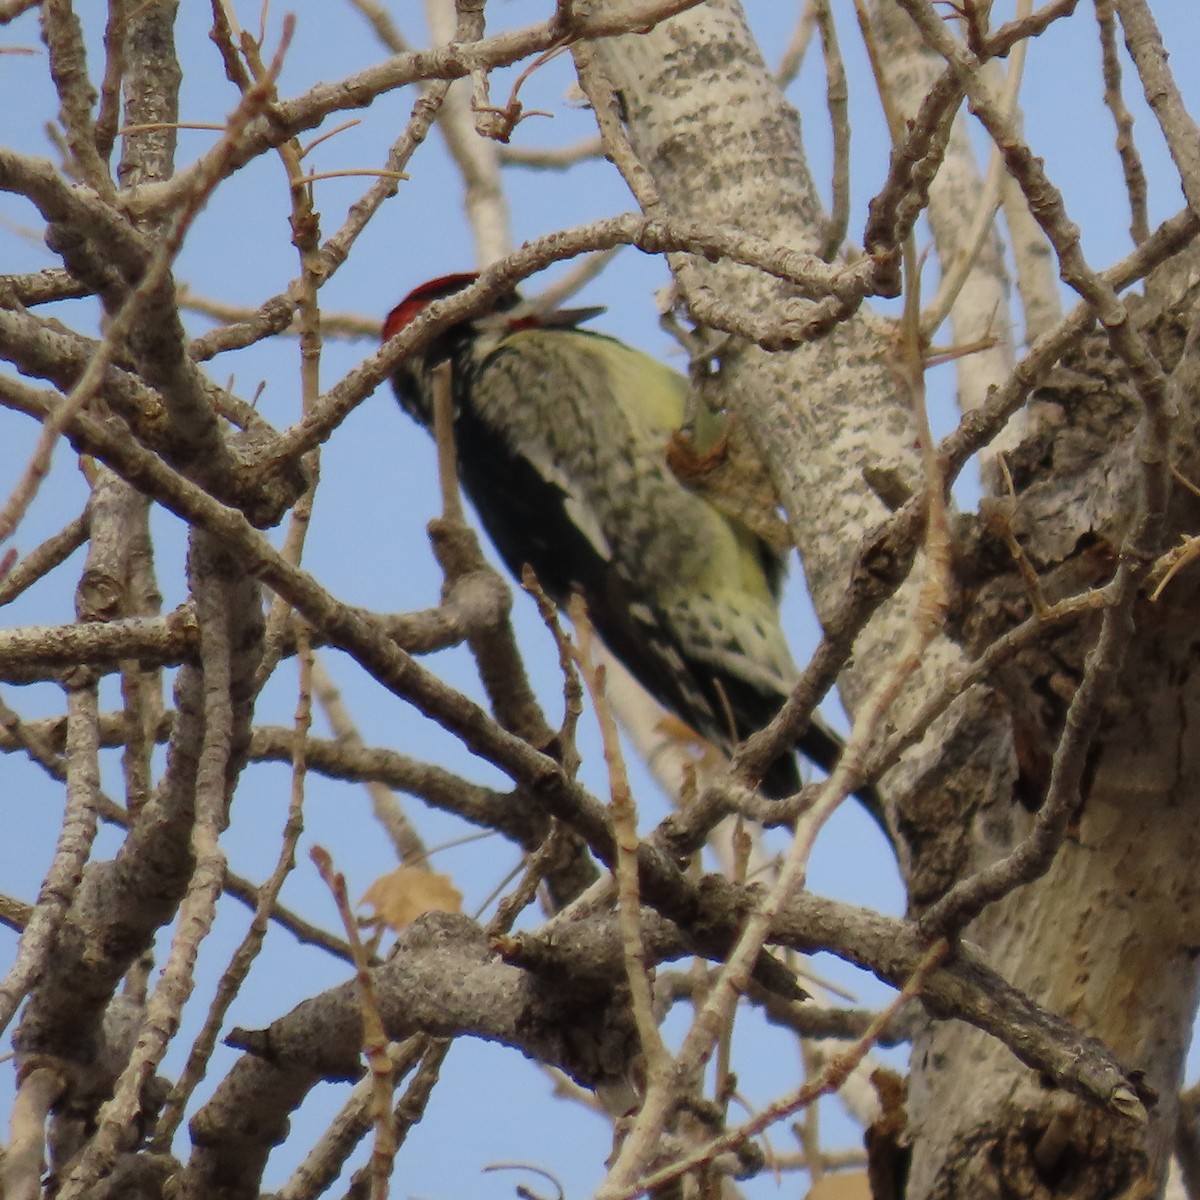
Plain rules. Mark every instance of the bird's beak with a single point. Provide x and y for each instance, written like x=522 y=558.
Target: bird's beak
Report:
x=556 y=318
x=570 y=317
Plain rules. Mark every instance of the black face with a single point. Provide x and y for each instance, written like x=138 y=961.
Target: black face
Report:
x=407 y=384
x=408 y=379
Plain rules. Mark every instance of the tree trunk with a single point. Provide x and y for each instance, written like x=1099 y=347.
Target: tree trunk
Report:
x=1107 y=937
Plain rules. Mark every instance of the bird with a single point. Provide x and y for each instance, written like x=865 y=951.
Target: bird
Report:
x=562 y=438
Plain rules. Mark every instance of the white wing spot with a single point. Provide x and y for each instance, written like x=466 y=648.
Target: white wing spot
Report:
x=583 y=520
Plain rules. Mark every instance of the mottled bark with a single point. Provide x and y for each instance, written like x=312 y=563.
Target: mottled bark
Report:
x=1107 y=937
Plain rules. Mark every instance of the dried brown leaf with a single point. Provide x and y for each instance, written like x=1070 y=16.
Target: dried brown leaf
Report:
x=402 y=895
x=841 y=1185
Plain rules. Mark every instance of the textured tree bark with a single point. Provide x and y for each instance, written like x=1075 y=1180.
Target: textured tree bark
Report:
x=1108 y=937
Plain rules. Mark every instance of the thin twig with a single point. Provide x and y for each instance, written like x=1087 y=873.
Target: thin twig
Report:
x=387 y=809
x=74 y=845
x=837 y=98
x=1179 y=127
x=244 y=956
x=41 y=561
x=156 y=273
x=114 y=71
x=1114 y=99
x=328 y=1155
x=955 y=273
x=375 y=1042
x=198 y=907
x=624 y=821
x=797 y=48
x=830 y=1079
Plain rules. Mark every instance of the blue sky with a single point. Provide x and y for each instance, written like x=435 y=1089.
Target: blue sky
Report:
x=368 y=542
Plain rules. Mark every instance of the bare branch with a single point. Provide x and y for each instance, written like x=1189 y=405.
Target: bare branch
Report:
x=74 y=844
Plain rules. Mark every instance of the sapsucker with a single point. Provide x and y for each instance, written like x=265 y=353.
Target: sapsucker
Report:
x=562 y=439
